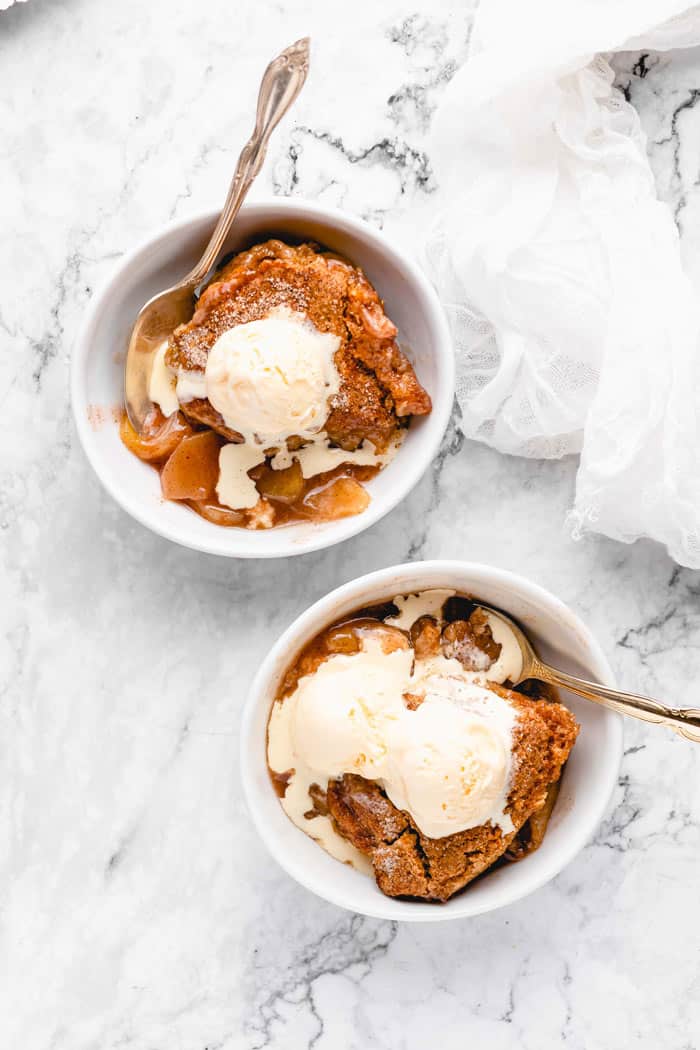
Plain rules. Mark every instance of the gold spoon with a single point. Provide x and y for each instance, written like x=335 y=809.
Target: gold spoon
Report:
x=683 y=720
x=281 y=83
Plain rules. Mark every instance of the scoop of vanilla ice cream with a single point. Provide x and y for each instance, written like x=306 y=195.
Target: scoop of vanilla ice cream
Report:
x=273 y=378
x=335 y=737
x=449 y=768
x=447 y=762
x=340 y=715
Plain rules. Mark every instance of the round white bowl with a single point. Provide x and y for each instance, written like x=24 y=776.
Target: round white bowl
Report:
x=587 y=783
x=98 y=364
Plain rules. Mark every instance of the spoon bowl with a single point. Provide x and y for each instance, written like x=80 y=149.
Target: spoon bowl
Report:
x=157 y=320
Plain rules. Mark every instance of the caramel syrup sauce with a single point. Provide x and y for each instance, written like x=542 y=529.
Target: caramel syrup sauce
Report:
x=187 y=460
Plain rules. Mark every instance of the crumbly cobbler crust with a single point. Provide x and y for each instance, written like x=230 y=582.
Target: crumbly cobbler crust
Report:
x=378 y=387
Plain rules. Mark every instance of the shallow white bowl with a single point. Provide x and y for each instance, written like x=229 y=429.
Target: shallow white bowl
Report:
x=98 y=363
x=588 y=780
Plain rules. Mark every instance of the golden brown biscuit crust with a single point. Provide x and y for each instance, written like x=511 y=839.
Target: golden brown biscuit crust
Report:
x=409 y=864
x=378 y=386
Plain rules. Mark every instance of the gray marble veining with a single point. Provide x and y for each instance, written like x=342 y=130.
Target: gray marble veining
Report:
x=139 y=908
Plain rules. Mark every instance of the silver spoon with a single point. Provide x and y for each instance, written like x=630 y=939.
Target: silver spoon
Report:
x=683 y=720
x=281 y=83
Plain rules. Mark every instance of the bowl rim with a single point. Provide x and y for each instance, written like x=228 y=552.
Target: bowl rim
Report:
x=294 y=636
x=414 y=467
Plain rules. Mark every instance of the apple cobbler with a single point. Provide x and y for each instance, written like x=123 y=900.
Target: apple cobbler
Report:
x=396 y=742
x=284 y=394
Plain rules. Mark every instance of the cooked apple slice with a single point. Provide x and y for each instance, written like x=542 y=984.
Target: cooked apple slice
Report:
x=217 y=514
x=160 y=436
x=341 y=499
x=285 y=486
x=193 y=469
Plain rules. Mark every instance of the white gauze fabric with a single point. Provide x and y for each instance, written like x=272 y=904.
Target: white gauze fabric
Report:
x=576 y=328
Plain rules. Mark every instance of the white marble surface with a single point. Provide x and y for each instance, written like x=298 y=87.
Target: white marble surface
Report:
x=139 y=908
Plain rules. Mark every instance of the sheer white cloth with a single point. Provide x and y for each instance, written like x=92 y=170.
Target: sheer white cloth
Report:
x=575 y=325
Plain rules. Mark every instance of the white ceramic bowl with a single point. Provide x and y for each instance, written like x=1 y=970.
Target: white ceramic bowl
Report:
x=588 y=780
x=97 y=371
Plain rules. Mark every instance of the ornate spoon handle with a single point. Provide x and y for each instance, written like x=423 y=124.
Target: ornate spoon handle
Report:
x=281 y=83
x=683 y=720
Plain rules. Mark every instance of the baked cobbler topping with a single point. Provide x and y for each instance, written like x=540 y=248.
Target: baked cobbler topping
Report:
x=395 y=740
x=291 y=366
